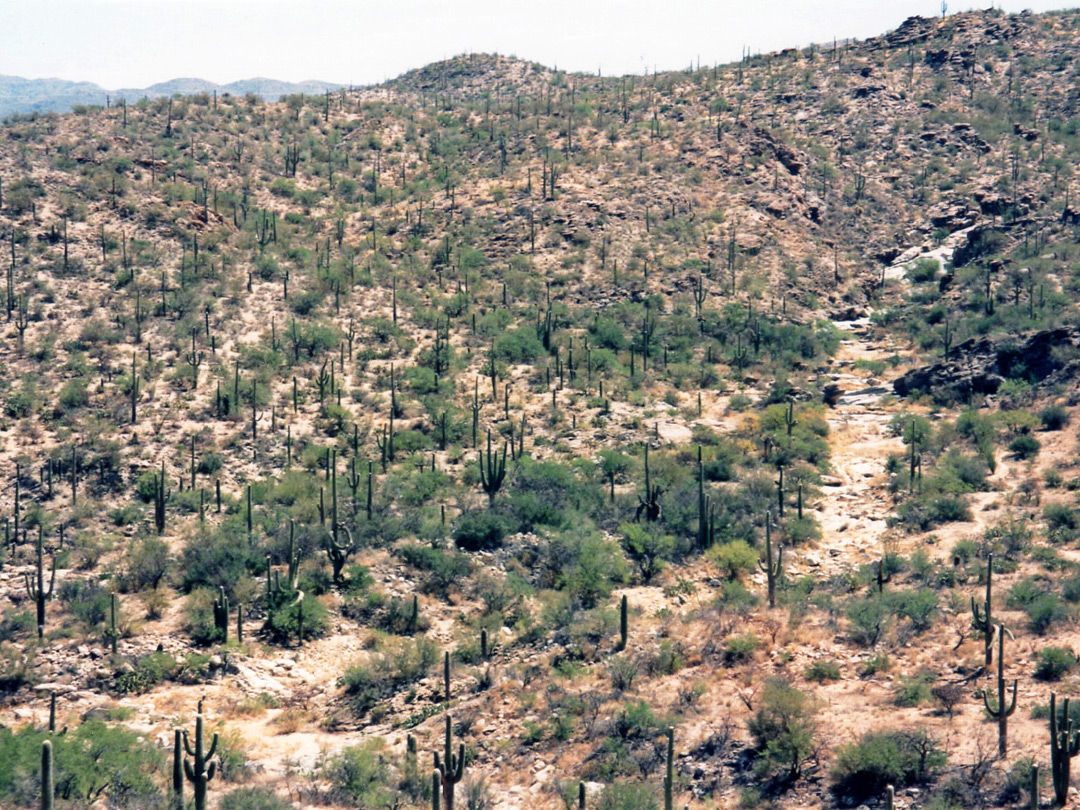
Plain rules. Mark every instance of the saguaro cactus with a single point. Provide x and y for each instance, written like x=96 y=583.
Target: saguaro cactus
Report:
x=773 y=571
x=492 y=470
x=1064 y=745
x=199 y=769
x=47 y=790
x=448 y=770
x=981 y=620
x=624 y=622
x=37 y=591
x=1002 y=712
x=669 y=779
x=178 y=771
x=338 y=552
x=649 y=503
x=111 y=632
x=221 y=615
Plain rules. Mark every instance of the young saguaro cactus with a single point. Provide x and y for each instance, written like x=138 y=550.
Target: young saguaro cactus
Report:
x=1001 y=712
x=649 y=503
x=669 y=778
x=1064 y=745
x=37 y=590
x=773 y=571
x=450 y=769
x=981 y=620
x=200 y=769
x=492 y=470
x=222 y=615
x=624 y=622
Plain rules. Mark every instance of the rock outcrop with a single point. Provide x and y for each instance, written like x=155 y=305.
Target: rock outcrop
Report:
x=981 y=365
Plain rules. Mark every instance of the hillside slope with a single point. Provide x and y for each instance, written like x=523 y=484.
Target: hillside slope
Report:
x=472 y=362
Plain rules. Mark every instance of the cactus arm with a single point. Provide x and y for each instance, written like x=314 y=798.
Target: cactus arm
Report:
x=187 y=745
x=189 y=770
x=213 y=747
x=52 y=579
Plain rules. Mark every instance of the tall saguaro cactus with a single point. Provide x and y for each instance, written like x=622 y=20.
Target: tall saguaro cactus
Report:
x=773 y=571
x=37 y=590
x=492 y=470
x=1002 y=712
x=981 y=620
x=47 y=790
x=450 y=768
x=178 y=771
x=1064 y=745
x=200 y=769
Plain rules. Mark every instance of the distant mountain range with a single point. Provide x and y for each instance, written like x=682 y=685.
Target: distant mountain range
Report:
x=19 y=95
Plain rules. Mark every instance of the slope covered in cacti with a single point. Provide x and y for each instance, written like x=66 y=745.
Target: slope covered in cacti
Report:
x=579 y=386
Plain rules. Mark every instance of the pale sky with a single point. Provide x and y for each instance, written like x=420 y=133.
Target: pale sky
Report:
x=135 y=43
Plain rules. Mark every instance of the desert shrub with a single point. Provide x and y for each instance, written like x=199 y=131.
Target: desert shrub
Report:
x=1045 y=611
x=395 y=665
x=628 y=796
x=636 y=720
x=254 y=798
x=915 y=690
x=1062 y=523
x=148 y=672
x=443 y=569
x=648 y=547
x=1054 y=663
x=584 y=563
x=361 y=775
x=91 y=760
x=870 y=617
x=880 y=758
x=284 y=621
x=919 y=607
x=734 y=559
x=199 y=617
x=823 y=672
x=784 y=729
x=1070 y=589
x=1025 y=446
x=481 y=530
x=1053 y=417
x=739 y=649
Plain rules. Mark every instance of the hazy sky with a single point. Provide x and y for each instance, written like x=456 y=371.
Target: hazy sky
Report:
x=134 y=43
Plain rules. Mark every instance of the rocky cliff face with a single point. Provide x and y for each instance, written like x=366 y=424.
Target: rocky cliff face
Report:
x=981 y=365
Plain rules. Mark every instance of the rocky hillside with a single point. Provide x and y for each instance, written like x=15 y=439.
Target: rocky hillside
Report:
x=704 y=438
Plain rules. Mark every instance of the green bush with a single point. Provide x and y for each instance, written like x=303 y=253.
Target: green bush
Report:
x=880 y=758
x=283 y=622
x=360 y=775
x=915 y=690
x=823 y=672
x=628 y=796
x=636 y=721
x=254 y=798
x=1054 y=417
x=734 y=559
x=870 y=617
x=1044 y=612
x=1025 y=446
x=443 y=569
x=784 y=729
x=482 y=530
x=90 y=760
x=1054 y=663
x=739 y=649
